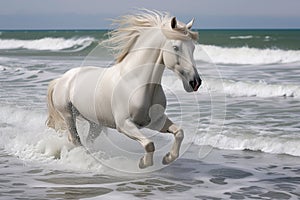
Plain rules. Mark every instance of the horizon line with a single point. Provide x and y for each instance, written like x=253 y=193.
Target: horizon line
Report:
x=106 y=29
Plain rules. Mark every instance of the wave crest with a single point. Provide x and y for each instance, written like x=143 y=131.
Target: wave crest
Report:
x=241 y=37
x=259 y=89
x=245 y=55
x=267 y=143
x=48 y=43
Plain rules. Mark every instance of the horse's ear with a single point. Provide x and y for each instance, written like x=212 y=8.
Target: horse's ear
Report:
x=190 y=24
x=173 y=23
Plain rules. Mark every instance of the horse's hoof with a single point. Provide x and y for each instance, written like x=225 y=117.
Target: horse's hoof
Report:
x=142 y=164
x=166 y=160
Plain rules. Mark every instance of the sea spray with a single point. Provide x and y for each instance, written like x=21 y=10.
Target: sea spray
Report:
x=25 y=135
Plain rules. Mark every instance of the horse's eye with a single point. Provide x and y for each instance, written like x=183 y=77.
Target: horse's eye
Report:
x=176 y=48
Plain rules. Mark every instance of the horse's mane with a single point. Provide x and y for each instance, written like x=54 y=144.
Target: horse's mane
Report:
x=128 y=29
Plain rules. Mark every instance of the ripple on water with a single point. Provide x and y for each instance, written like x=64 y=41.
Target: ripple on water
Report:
x=229 y=173
x=76 y=192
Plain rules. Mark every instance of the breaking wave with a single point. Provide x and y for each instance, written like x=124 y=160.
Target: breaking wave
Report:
x=241 y=37
x=240 y=88
x=245 y=55
x=48 y=43
x=247 y=141
x=259 y=89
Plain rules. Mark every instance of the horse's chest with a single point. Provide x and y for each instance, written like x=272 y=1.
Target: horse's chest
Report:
x=145 y=106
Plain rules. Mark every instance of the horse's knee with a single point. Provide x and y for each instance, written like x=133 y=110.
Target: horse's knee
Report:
x=179 y=135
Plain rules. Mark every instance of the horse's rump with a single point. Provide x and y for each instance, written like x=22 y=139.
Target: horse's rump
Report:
x=54 y=119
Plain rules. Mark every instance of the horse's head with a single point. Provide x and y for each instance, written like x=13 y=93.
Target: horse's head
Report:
x=178 y=53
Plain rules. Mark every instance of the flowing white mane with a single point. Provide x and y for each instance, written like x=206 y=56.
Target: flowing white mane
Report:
x=129 y=29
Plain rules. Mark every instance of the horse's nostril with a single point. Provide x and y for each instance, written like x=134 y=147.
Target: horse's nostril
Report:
x=195 y=84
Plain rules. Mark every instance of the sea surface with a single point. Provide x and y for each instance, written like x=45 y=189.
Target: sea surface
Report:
x=242 y=127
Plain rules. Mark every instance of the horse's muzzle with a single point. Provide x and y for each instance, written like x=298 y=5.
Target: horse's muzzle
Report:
x=195 y=84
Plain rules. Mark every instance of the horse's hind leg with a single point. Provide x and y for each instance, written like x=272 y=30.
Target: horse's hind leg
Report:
x=170 y=127
x=69 y=115
x=94 y=131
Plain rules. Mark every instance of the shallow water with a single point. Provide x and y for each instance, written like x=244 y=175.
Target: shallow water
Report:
x=221 y=175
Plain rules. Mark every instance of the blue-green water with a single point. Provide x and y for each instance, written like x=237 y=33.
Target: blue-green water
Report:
x=262 y=39
x=255 y=156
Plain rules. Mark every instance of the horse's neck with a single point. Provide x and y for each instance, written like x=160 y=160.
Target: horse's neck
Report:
x=145 y=58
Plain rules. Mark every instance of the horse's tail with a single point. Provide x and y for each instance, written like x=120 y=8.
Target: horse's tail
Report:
x=54 y=120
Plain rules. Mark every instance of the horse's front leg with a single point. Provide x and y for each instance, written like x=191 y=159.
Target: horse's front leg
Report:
x=170 y=127
x=130 y=129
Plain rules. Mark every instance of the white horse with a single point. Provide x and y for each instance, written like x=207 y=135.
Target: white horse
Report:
x=129 y=95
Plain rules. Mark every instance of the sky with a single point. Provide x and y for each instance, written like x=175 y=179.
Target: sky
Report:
x=96 y=14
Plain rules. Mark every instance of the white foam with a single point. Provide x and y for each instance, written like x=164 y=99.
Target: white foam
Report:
x=236 y=141
x=3 y=68
x=24 y=134
x=245 y=55
x=237 y=88
x=259 y=89
x=48 y=43
x=241 y=37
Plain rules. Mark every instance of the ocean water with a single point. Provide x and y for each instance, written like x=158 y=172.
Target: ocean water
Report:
x=242 y=127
